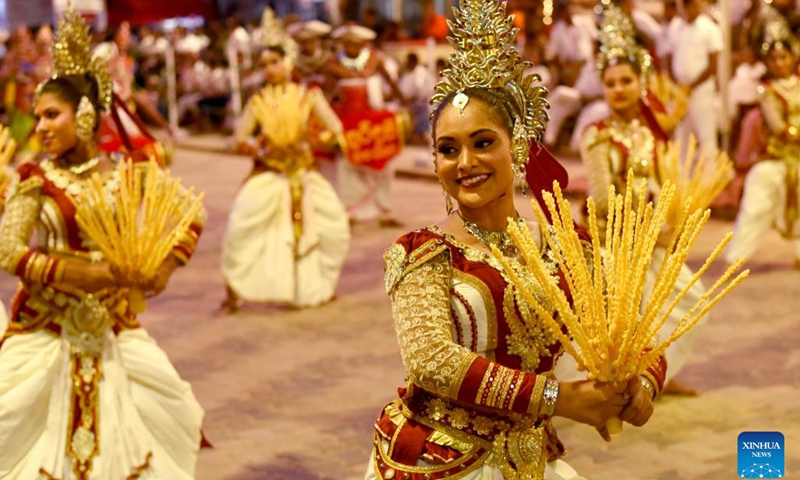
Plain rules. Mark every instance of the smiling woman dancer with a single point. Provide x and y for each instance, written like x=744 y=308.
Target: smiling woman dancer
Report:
x=772 y=187
x=85 y=393
x=481 y=393
x=631 y=138
x=288 y=232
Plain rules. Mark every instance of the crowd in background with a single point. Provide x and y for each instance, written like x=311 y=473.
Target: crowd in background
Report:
x=562 y=45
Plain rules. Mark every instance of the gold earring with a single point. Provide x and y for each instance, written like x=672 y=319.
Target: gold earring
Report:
x=448 y=201
x=85 y=119
x=520 y=150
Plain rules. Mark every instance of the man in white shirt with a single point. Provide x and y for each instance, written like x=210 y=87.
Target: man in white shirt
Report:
x=417 y=83
x=572 y=42
x=693 y=57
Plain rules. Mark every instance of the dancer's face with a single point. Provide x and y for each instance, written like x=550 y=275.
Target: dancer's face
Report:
x=621 y=87
x=309 y=46
x=781 y=62
x=473 y=155
x=274 y=67
x=55 y=124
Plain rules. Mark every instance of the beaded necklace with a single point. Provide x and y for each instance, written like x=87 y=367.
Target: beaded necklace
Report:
x=500 y=239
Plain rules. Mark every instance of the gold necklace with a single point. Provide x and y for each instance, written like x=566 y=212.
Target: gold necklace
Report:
x=500 y=239
x=84 y=167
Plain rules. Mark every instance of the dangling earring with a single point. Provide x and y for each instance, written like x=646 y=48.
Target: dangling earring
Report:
x=520 y=150
x=85 y=118
x=519 y=178
x=448 y=201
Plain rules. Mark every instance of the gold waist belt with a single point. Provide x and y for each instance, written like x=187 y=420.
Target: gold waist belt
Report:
x=517 y=442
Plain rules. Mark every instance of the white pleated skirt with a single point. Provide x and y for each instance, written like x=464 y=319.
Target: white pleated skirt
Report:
x=261 y=260
x=149 y=420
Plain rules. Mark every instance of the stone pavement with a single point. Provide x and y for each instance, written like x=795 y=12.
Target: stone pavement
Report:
x=292 y=394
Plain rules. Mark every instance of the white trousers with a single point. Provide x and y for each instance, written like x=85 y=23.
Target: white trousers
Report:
x=763 y=206
x=365 y=192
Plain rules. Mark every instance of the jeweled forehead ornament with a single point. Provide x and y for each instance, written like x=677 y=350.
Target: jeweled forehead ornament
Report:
x=618 y=41
x=460 y=101
x=273 y=34
x=482 y=36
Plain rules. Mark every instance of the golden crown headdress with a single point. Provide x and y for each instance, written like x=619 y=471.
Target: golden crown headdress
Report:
x=72 y=55
x=777 y=32
x=618 y=41
x=482 y=36
x=274 y=35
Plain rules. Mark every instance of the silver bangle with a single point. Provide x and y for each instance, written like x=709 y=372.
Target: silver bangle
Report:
x=549 y=397
x=648 y=385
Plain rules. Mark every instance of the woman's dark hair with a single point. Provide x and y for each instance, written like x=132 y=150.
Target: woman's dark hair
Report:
x=497 y=99
x=277 y=49
x=622 y=60
x=782 y=44
x=71 y=88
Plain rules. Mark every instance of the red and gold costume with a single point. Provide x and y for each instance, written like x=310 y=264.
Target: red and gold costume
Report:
x=374 y=136
x=76 y=366
x=610 y=147
x=481 y=389
x=477 y=370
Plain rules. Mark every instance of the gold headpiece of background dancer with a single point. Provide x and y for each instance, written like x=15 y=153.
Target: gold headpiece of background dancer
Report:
x=273 y=34
x=618 y=41
x=72 y=55
x=484 y=56
x=777 y=32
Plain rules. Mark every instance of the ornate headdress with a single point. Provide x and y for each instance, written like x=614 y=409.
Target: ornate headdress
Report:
x=72 y=55
x=618 y=41
x=484 y=57
x=274 y=35
x=777 y=32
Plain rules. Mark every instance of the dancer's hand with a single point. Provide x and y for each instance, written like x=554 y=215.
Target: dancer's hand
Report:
x=592 y=403
x=640 y=407
x=89 y=277
x=159 y=282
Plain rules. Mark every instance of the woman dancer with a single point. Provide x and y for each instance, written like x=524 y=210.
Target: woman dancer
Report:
x=288 y=233
x=481 y=393
x=631 y=137
x=85 y=393
x=772 y=188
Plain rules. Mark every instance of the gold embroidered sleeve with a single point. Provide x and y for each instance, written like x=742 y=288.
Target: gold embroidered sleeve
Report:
x=596 y=157
x=247 y=125
x=435 y=362
x=773 y=111
x=19 y=221
x=421 y=310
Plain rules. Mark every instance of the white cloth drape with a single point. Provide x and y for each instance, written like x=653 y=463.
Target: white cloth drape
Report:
x=763 y=206
x=144 y=408
x=260 y=259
